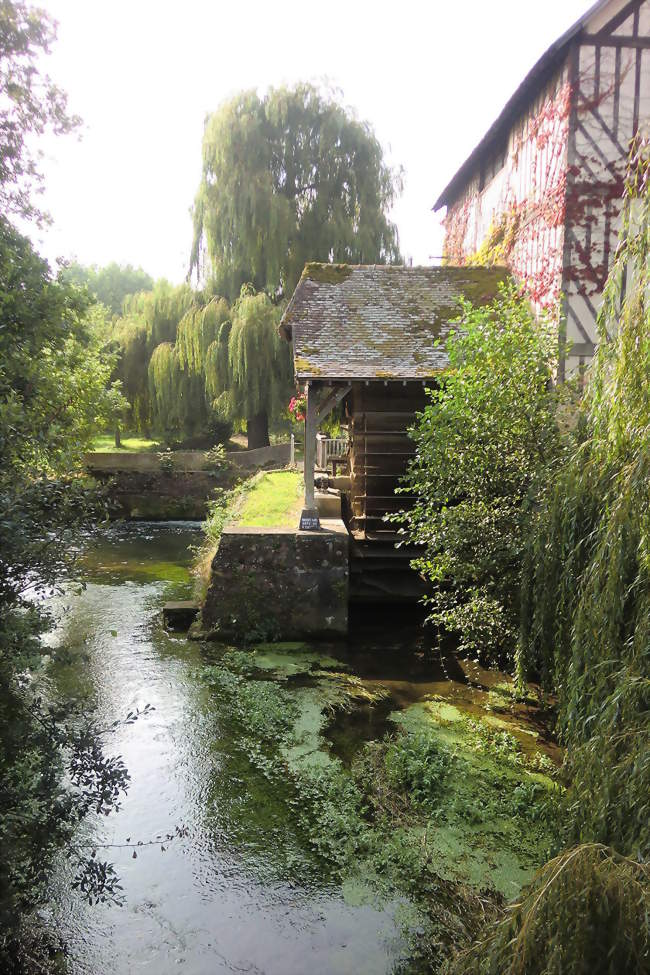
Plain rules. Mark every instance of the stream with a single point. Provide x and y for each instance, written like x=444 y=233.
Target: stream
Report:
x=241 y=891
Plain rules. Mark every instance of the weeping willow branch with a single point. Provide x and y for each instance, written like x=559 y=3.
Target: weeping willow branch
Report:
x=586 y=605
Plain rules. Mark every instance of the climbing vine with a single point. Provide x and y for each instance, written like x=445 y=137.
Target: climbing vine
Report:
x=526 y=234
x=544 y=203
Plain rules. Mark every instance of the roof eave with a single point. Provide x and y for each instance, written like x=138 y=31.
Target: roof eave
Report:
x=370 y=379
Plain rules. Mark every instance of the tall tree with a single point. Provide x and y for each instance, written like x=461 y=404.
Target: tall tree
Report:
x=259 y=366
x=289 y=178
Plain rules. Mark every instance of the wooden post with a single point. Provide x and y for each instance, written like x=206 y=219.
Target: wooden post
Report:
x=309 y=520
x=292 y=451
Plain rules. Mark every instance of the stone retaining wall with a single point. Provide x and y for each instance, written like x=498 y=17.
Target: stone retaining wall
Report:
x=277 y=455
x=162 y=497
x=140 y=489
x=276 y=583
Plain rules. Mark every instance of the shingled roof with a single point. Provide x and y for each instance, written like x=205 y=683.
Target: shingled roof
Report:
x=378 y=322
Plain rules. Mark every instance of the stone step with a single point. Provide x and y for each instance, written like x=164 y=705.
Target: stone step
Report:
x=180 y=615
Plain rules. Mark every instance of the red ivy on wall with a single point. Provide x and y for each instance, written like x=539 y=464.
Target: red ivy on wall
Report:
x=542 y=199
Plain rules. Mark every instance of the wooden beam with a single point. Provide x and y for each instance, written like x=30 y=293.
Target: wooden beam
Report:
x=640 y=43
x=309 y=517
x=331 y=400
x=631 y=8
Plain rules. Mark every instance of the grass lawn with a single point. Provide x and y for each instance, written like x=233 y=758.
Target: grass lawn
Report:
x=105 y=444
x=274 y=501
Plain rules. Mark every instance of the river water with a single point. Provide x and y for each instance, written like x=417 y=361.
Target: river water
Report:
x=239 y=892
x=218 y=900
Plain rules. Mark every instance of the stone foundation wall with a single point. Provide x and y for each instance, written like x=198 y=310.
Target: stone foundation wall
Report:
x=278 y=584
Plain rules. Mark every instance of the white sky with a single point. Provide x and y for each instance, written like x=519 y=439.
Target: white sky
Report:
x=429 y=76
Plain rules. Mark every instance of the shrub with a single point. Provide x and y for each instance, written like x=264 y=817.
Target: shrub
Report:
x=486 y=443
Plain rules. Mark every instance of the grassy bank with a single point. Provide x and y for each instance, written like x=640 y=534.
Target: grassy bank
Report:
x=268 y=499
x=274 y=500
x=105 y=444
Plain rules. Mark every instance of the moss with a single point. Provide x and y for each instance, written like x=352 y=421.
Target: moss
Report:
x=327 y=273
x=304 y=366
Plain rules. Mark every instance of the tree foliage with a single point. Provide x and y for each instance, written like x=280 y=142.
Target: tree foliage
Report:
x=160 y=309
x=586 y=620
x=217 y=364
x=30 y=104
x=110 y=284
x=289 y=178
x=151 y=319
x=485 y=444
x=54 y=379
x=197 y=330
x=130 y=340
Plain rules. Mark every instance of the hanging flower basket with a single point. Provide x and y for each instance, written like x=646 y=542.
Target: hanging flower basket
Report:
x=298 y=408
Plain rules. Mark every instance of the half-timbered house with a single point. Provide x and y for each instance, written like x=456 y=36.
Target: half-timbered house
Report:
x=542 y=190
x=371 y=338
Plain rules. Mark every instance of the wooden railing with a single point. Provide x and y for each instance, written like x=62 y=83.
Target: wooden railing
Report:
x=328 y=449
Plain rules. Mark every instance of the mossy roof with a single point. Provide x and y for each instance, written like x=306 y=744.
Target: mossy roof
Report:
x=378 y=321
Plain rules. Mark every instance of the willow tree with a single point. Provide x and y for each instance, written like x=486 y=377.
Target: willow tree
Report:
x=196 y=332
x=161 y=309
x=178 y=402
x=586 y=621
x=259 y=366
x=217 y=365
x=152 y=318
x=289 y=178
x=130 y=339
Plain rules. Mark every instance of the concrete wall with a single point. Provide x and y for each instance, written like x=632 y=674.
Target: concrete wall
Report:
x=278 y=584
x=277 y=455
x=140 y=489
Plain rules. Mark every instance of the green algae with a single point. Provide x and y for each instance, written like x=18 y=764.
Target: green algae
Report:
x=446 y=810
x=494 y=816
